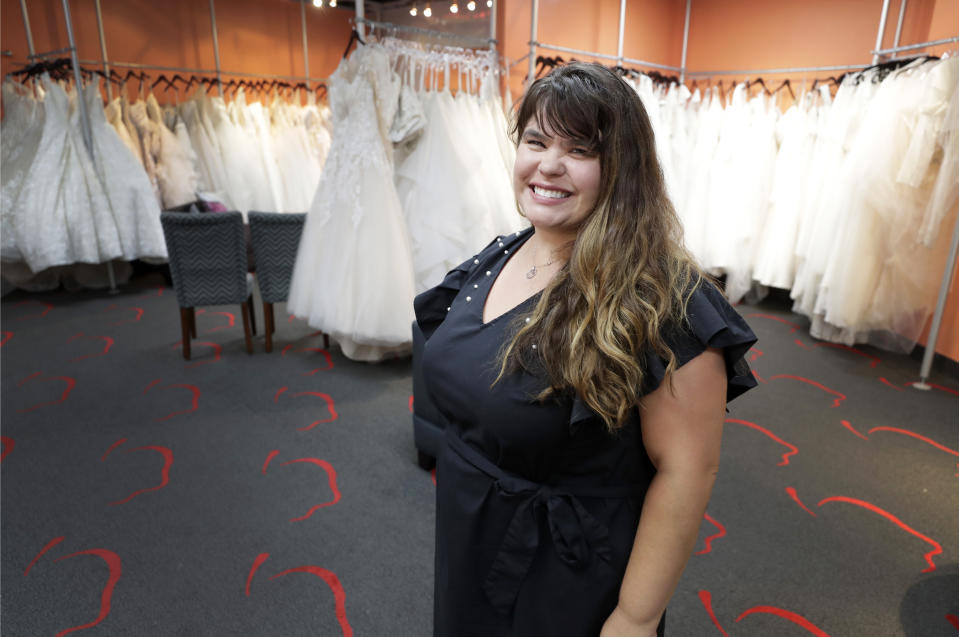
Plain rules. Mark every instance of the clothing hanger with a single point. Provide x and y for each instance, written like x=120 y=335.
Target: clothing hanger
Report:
x=160 y=78
x=788 y=85
x=759 y=81
x=354 y=37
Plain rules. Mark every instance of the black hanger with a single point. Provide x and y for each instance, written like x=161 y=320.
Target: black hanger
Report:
x=173 y=80
x=160 y=78
x=354 y=37
x=759 y=81
x=786 y=84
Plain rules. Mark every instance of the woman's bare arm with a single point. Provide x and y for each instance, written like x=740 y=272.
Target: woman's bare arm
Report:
x=682 y=431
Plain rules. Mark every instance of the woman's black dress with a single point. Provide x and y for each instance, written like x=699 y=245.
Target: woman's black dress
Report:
x=537 y=504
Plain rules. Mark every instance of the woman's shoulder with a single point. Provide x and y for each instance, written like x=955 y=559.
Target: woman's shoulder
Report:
x=710 y=321
x=431 y=306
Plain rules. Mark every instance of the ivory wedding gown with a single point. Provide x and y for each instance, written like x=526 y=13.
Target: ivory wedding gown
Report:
x=353 y=276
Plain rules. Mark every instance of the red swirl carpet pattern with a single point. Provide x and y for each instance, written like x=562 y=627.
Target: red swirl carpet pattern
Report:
x=278 y=494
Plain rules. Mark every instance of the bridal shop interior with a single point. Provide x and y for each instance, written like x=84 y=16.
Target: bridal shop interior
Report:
x=215 y=217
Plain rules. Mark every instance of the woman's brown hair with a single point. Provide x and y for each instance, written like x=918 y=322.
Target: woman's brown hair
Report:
x=628 y=275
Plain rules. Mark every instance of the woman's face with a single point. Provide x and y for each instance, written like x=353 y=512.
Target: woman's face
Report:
x=556 y=179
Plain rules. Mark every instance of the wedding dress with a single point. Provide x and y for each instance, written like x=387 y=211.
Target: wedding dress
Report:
x=453 y=184
x=133 y=207
x=175 y=172
x=353 y=276
x=203 y=139
x=21 y=132
x=60 y=212
x=114 y=114
x=150 y=144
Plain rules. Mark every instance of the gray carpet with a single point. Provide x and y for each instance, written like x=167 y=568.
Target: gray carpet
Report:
x=286 y=500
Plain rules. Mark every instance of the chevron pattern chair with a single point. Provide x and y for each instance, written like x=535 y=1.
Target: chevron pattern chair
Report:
x=207 y=254
x=276 y=238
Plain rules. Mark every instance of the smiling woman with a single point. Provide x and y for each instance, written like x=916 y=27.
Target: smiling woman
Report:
x=583 y=366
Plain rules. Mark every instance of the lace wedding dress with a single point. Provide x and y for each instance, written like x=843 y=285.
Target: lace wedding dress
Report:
x=353 y=276
x=56 y=210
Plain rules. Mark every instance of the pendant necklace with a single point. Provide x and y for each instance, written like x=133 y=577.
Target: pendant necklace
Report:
x=535 y=269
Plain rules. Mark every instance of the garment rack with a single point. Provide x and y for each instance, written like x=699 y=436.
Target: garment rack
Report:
x=921 y=45
x=617 y=58
x=491 y=41
x=800 y=69
x=178 y=69
x=462 y=39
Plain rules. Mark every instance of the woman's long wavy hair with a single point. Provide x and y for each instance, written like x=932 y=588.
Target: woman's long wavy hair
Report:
x=628 y=274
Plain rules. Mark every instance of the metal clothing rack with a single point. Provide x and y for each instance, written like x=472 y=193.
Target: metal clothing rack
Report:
x=470 y=42
x=618 y=58
x=181 y=69
x=491 y=42
x=798 y=69
x=878 y=54
x=912 y=47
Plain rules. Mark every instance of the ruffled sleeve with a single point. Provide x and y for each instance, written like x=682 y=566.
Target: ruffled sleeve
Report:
x=712 y=323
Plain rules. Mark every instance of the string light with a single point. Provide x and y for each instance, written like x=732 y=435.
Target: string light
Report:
x=454 y=8
x=332 y=3
x=413 y=10
x=471 y=5
x=318 y=4
x=427 y=12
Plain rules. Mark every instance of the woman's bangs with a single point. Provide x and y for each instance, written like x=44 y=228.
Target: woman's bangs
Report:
x=569 y=116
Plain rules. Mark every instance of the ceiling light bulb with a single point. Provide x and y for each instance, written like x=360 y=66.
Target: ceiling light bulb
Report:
x=332 y=3
x=318 y=4
x=413 y=10
x=427 y=11
x=454 y=8
x=489 y=3
x=471 y=5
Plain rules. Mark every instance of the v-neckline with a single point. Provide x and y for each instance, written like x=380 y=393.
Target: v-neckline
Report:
x=516 y=248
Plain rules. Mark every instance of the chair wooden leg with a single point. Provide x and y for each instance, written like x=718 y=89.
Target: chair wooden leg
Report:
x=268 y=328
x=245 y=309
x=249 y=305
x=185 y=313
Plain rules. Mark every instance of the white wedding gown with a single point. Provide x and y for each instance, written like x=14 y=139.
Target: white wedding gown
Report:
x=132 y=203
x=353 y=276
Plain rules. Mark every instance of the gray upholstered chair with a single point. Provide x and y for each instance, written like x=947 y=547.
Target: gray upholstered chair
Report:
x=207 y=254
x=276 y=238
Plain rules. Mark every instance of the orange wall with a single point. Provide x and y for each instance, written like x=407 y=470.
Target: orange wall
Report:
x=653 y=31
x=758 y=34
x=255 y=36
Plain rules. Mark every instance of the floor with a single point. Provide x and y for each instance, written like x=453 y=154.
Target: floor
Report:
x=278 y=494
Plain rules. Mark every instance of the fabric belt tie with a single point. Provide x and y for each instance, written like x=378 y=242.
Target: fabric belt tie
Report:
x=576 y=534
